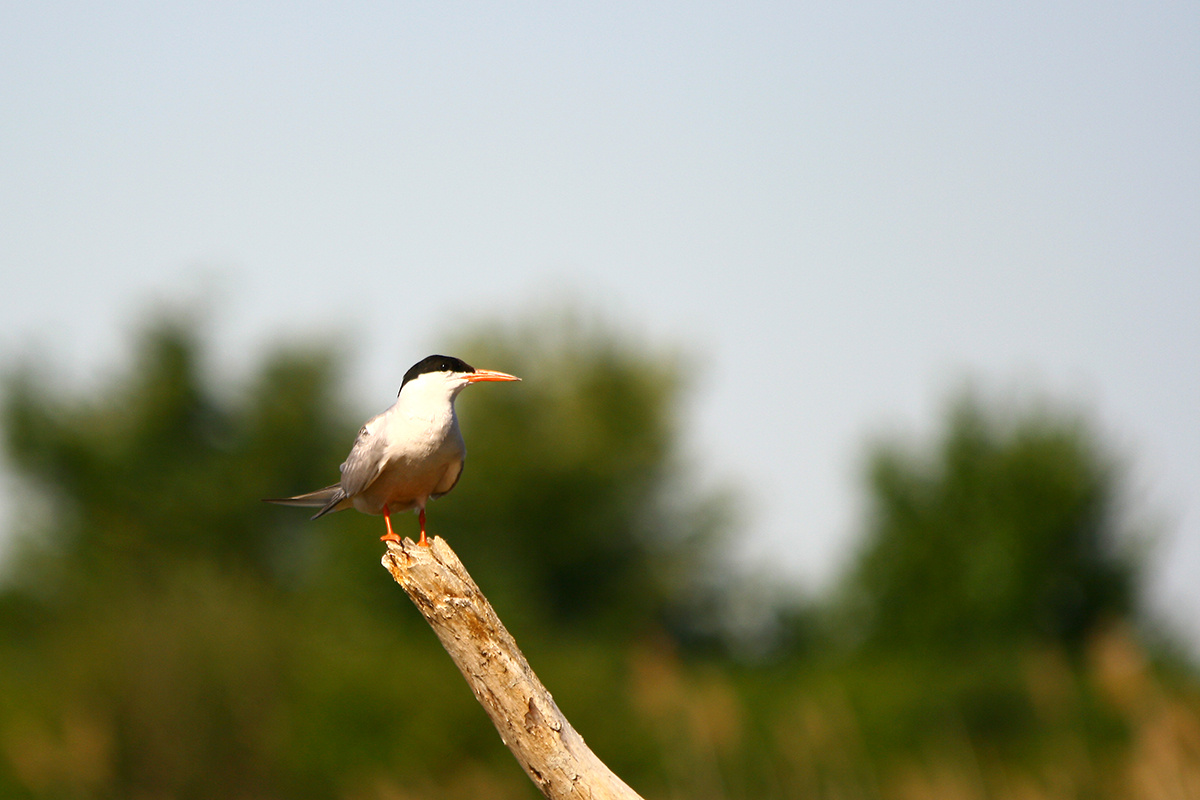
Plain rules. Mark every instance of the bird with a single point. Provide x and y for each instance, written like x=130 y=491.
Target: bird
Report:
x=408 y=455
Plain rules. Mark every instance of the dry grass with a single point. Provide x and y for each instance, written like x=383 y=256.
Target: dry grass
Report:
x=1146 y=745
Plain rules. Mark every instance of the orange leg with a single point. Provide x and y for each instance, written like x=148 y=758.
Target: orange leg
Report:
x=421 y=516
x=390 y=536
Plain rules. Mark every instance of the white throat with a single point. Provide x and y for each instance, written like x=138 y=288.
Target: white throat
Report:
x=430 y=396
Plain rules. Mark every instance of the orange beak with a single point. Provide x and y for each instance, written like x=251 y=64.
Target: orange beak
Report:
x=480 y=375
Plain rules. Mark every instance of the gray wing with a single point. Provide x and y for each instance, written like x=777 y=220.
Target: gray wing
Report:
x=365 y=461
x=360 y=468
x=449 y=479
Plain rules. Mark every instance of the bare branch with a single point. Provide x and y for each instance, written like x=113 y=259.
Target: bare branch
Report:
x=530 y=724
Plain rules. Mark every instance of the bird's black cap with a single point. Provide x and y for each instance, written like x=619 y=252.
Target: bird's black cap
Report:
x=436 y=364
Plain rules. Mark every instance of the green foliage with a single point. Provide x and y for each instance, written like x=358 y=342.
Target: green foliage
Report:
x=163 y=633
x=157 y=467
x=1006 y=533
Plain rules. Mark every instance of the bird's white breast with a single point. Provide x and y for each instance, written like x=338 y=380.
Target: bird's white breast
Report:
x=422 y=454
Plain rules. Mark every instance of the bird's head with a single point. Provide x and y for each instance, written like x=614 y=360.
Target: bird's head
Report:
x=446 y=375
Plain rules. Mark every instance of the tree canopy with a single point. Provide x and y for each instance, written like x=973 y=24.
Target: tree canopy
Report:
x=207 y=644
x=1006 y=529
x=164 y=633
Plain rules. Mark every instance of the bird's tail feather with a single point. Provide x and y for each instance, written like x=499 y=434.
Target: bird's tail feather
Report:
x=326 y=498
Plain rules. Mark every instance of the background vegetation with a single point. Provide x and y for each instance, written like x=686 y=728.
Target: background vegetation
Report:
x=163 y=634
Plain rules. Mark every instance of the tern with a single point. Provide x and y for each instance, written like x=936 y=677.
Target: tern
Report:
x=408 y=455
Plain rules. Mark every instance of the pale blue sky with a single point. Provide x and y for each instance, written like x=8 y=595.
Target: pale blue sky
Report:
x=841 y=210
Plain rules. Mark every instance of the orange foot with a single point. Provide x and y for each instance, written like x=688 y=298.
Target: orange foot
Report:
x=424 y=542
x=390 y=536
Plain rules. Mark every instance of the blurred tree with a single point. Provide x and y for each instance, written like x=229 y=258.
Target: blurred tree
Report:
x=164 y=633
x=158 y=466
x=1008 y=532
